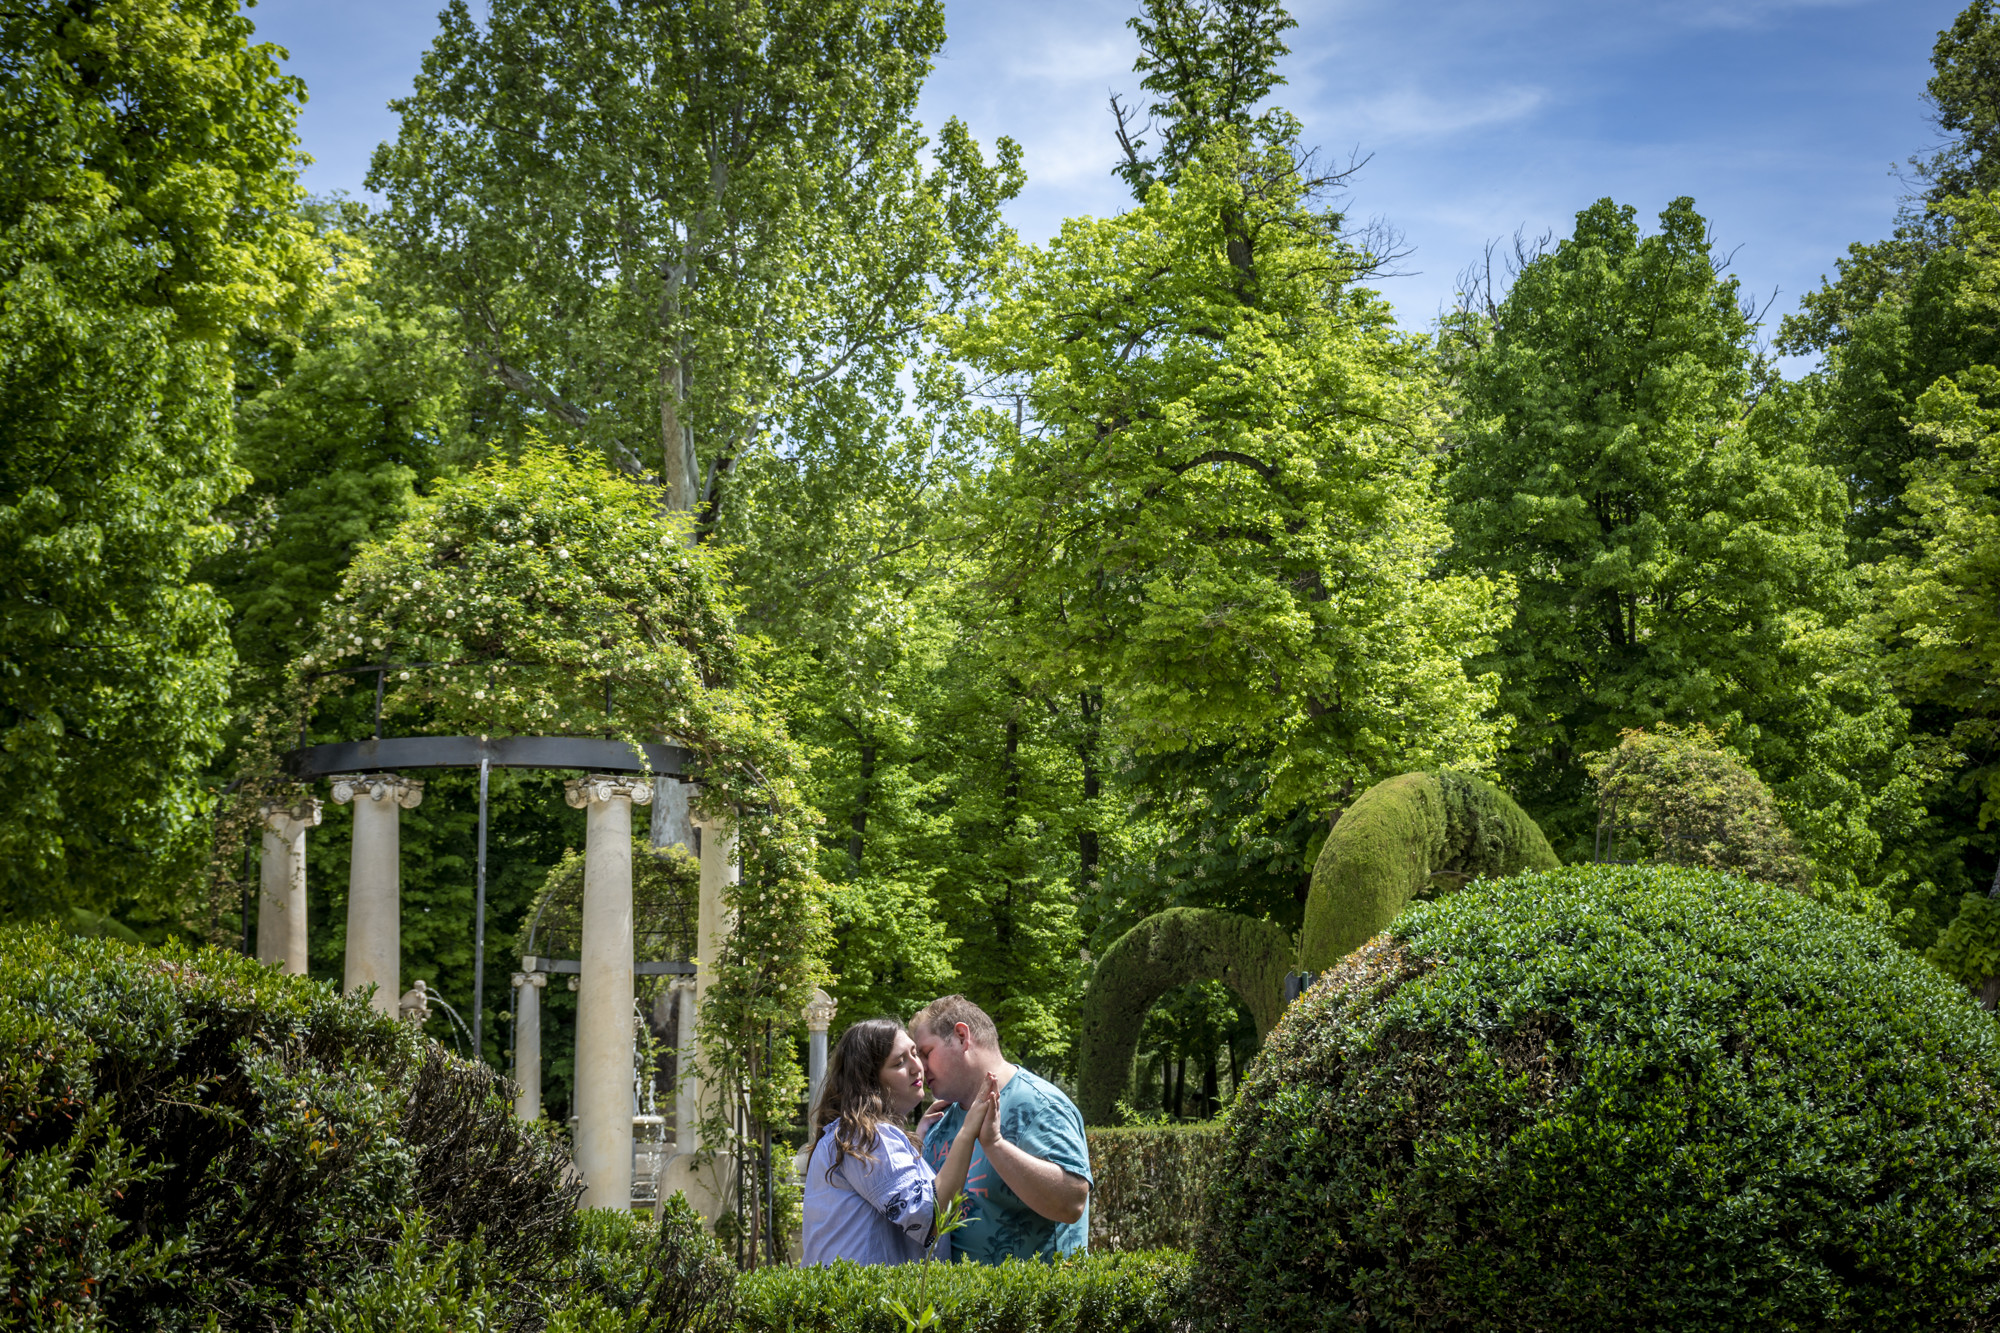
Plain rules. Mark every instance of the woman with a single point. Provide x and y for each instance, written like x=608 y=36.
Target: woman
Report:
x=870 y=1196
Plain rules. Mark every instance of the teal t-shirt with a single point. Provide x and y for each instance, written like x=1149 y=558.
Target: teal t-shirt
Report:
x=1037 y=1118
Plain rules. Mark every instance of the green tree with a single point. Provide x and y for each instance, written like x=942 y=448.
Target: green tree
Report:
x=1208 y=64
x=1937 y=608
x=667 y=227
x=147 y=192
x=1217 y=506
x=1679 y=553
x=340 y=423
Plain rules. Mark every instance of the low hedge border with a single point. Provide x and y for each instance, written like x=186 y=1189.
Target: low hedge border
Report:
x=1142 y=1292
x=1150 y=1184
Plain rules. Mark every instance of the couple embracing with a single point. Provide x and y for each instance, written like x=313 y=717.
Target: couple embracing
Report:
x=1010 y=1141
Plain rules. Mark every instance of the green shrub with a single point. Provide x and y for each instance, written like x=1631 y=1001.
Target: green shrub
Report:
x=1615 y=1098
x=1113 y=1293
x=1166 y=950
x=186 y=1135
x=1149 y=1185
x=1675 y=795
x=1402 y=839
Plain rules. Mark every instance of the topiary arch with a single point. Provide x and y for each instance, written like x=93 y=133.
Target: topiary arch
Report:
x=1166 y=950
x=1402 y=834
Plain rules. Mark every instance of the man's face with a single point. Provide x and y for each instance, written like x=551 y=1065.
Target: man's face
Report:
x=947 y=1062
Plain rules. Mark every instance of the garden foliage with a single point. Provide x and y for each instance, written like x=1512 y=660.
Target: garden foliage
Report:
x=1616 y=1097
x=1117 y=1293
x=148 y=177
x=1402 y=839
x=1167 y=950
x=1674 y=795
x=188 y=1136
x=1149 y=1184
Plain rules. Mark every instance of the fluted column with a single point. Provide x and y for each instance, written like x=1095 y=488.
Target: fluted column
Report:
x=604 y=1049
x=528 y=987
x=375 y=883
x=281 y=906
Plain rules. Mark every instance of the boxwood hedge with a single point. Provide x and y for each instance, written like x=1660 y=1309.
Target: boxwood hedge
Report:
x=1615 y=1098
x=1141 y=1292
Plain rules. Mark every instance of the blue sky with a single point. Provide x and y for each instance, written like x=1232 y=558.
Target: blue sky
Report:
x=1782 y=118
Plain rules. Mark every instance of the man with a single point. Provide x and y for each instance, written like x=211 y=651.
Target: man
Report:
x=1029 y=1180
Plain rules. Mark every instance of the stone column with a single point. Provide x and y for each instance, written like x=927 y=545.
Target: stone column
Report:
x=375 y=883
x=818 y=1014
x=687 y=1133
x=281 y=907
x=604 y=993
x=528 y=985
x=707 y=1187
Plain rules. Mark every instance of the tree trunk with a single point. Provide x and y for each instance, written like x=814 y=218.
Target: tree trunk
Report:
x=858 y=822
x=1211 y=1088
x=1180 y=1084
x=1090 y=704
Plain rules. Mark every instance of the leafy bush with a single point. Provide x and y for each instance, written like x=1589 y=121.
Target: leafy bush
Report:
x=1116 y=1293
x=186 y=1136
x=1149 y=1185
x=1675 y=795
x=1615 y=1098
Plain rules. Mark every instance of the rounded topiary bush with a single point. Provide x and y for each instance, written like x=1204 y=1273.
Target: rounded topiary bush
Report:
x=1615 y=1098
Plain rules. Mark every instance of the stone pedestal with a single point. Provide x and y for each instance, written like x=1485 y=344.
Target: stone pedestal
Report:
x=528 y=986
x=281 y=905
x=604 y=1048
x=374 y=883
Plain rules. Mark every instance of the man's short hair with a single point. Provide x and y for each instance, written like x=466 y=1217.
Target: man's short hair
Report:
x=942 y=1016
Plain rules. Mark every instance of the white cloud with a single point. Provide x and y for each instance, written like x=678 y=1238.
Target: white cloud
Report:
x=1411 y=113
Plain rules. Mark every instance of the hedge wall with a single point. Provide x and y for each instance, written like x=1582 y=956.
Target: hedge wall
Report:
x=1111 y=1293
x=1398 y=841
x=1150 y=1184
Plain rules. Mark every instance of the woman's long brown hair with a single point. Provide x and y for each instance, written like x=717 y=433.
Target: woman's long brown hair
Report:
x=852 y=1092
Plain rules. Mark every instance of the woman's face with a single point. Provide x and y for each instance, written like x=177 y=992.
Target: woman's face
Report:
x=902 y=1075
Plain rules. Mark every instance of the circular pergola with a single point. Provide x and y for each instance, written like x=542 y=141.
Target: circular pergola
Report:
x=599 y=952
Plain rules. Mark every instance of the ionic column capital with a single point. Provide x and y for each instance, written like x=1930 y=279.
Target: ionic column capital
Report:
x=819 y=1011
x=536 y=980
x=406 y=792
x=605 y=787
x=291 y=821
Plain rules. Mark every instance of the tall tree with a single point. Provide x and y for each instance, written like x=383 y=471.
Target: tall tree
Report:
x=1218 y=507
x=1208 y=64
x=339 y=424
x=148 y=188
x=1679 y=553
x=662 y=224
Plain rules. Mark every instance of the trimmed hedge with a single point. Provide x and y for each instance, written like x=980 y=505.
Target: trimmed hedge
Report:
x=1395 y=840
x=1616 y=1098
x=1166 y=950
x=1149 y=1185
x=187 y=1136
x=1111 y=1293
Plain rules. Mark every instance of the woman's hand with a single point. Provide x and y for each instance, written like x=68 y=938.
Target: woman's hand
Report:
x=931 y=1117
x=988 y=1103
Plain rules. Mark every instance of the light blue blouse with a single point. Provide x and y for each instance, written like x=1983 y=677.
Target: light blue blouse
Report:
x=877 y=1212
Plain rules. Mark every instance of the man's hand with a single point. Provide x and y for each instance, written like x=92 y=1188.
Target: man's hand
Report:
x=1045 y=1187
